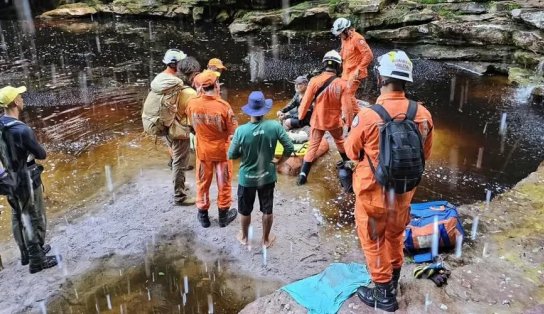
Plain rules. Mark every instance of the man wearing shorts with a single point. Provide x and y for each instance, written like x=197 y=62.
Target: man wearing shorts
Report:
x=254 y=143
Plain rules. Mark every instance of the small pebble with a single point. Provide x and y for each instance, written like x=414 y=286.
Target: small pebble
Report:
x=443 y=307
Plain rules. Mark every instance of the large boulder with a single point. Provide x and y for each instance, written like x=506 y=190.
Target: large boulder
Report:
x=524 y=77
x=460 y=53
x=141 y=8
x=69 y=11
x=415 y=33
x=242 y=27
x=305 y=15
x=366 y=6
x=529 y=40
x=448 y=33
x=473 y=33
x=531 y=17
x=528 y=59
x=397 y=17
x=461 y=8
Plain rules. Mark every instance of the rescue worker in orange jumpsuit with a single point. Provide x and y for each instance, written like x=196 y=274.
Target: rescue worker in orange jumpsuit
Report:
x=356 y=55
x=381 y=218
x=214 y=123
x=218 y=67
x=330 y=102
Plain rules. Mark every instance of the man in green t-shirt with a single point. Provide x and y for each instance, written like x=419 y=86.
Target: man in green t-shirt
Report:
x=255 y=143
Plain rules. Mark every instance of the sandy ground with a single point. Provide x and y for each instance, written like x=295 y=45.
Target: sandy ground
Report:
x=116 y=230
x=501 y=271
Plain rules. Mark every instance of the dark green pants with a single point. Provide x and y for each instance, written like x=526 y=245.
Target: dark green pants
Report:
x=28 y=219
x=180 y=160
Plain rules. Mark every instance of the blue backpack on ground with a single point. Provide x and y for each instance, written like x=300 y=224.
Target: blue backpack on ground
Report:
x=418 y=236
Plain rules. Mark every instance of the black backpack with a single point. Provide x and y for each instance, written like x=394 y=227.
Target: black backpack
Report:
x=8 y=175
x=401 y=159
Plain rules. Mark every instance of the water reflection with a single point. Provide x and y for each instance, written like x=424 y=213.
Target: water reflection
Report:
x=168 y=283
x=87 y=81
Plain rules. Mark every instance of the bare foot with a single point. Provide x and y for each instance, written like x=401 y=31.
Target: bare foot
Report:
x=271 y=239
x=241 y=239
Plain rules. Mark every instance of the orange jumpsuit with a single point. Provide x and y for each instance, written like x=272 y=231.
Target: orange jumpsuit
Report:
x=214 y=124
x=381 y=217
x=356 y=57
x=327 y=113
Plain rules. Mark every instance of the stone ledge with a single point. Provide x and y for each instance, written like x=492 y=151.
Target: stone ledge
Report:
x=75 y=10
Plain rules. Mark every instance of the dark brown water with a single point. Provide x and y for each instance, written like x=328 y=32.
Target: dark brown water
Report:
x=87 y=81
x=177 y=283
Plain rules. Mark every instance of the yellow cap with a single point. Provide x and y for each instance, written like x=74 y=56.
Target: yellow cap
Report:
x=216 y=63
x=9 y=93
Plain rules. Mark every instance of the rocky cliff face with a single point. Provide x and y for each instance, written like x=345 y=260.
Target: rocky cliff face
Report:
x=502 y=35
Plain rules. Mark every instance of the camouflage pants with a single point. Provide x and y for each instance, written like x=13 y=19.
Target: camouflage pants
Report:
x=28 y=219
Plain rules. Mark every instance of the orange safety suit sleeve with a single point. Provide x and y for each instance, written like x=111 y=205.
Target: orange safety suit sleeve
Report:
x=426 y=130
x=428 y=145
x=349 y=105
x=232 y=123
x=355 y=141
x=362 y=47
x=307 y=99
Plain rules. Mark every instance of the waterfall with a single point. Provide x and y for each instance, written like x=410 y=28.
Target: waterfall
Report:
x=540 y=68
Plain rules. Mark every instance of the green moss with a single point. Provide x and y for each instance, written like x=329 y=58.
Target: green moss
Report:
x=513 y=6
x=445 y=13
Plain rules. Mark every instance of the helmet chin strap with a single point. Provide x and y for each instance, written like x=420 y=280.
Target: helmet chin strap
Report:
x=381 y=82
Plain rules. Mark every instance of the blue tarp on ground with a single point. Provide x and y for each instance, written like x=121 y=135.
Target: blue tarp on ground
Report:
x=325 y=292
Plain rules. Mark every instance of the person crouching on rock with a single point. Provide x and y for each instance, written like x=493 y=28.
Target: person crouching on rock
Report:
x=330 y=96
x=214 y=123
x=255 y=143
x=26 y=200
x=289 y=114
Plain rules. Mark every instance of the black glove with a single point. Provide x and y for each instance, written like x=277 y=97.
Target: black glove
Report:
x=435 y=272
x=440 y=278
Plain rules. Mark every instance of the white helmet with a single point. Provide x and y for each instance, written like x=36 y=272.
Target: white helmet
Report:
x=173 y=56
x=340 y=25
x=333 y=56
x=395 y=64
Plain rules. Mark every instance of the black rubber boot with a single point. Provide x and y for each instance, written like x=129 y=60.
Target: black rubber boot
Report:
x=395 y=280
x=38 y=260
x=46 y=248
x=24 y=258
x=344 y=157
x=47 y=262
x=203 y=218
x=226 y=216
x=380 y=296
x=304 y=172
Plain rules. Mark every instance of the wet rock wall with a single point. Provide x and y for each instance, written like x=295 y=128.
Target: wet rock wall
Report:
x=482 y=36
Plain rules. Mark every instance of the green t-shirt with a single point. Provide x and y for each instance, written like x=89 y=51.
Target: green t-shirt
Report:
x=255 y=143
